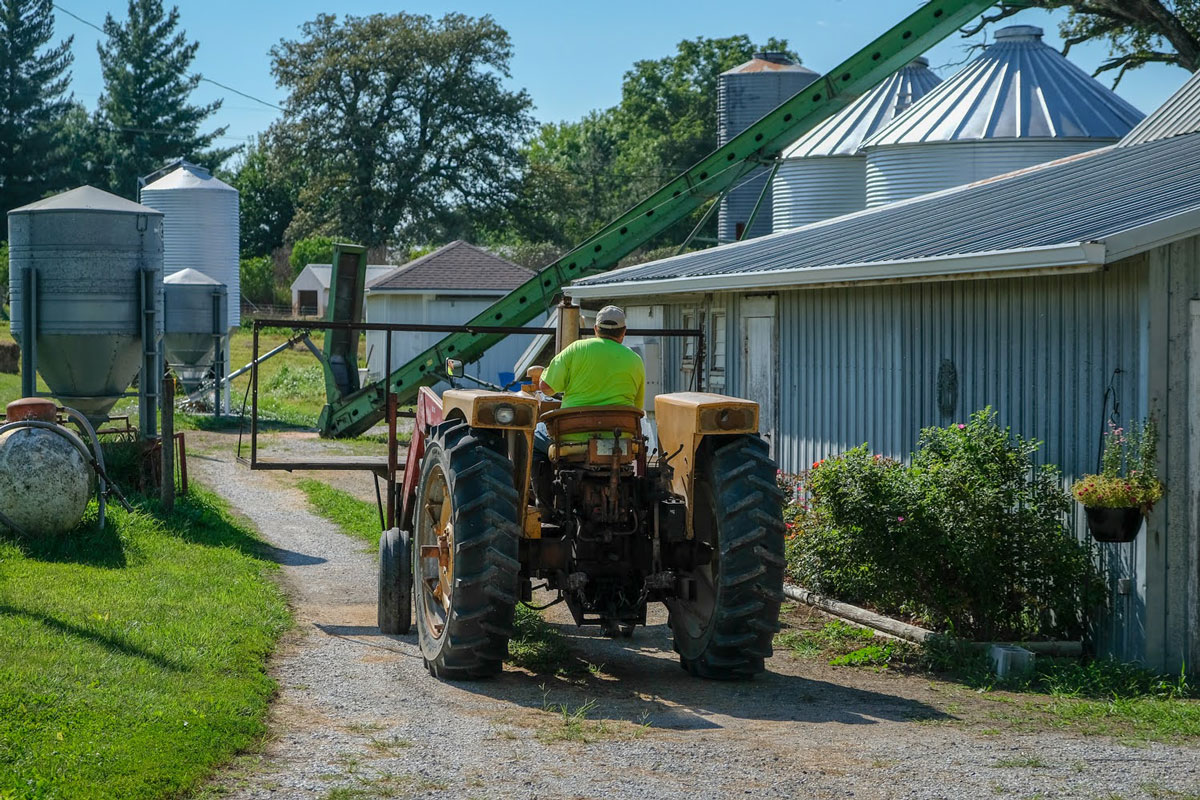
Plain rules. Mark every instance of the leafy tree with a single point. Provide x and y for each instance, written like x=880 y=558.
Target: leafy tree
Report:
x=403 y=119
x=580 y=175
x=32 y=102
x=268 y=179
x=1137 y=33
x=144 y=112
x=313 y=250
x=669 y=105
x=258 y=280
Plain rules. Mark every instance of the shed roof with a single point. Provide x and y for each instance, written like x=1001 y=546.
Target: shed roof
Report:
x=1088 y=209
x=1179 y=115
x=324 y=272
x=1018 y=88
x=457 y=266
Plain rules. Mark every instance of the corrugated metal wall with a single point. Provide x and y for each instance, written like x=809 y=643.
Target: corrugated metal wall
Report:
x=1050 y=354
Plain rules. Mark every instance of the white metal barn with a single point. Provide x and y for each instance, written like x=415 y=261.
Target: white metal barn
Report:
x=310 y=289
x=1062 y=295
x=446 y=287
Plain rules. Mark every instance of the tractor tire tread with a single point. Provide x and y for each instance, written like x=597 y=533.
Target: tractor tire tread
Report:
x=750 y=547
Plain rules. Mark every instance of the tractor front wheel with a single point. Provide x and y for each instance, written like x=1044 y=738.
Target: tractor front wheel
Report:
x=395 y=581
x=724 y=629
x=465 y=565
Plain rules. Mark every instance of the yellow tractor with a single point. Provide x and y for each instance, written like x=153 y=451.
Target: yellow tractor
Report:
x=609 y=523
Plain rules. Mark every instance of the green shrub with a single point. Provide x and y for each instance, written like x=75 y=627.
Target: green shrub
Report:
x=258 y=280
x=313 y=250
x=971 y=536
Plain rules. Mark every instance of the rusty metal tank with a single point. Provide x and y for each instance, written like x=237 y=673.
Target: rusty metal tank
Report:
x=45 y=478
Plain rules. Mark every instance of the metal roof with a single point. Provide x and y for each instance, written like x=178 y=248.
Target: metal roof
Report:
x=844 y=132
x=1179 y=115
x=324 y=272
x=86 y=198
x=1126 y=199
x=188 y=176
x=1018 y=88
x=456 y=266
x=191 y=277
x=770 y=62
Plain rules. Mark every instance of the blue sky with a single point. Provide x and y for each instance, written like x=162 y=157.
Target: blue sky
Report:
x=569 y=56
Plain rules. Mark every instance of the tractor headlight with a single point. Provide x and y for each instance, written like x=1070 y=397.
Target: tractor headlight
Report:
x=505 y=414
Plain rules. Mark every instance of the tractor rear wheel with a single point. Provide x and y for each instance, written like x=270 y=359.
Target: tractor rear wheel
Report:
x=395 y=581
x=465 y=565
x=724 y=630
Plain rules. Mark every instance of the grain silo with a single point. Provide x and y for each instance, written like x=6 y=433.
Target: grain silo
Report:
x=824 y=173
x=86 y=284
x=1018 y=104
x=200 y=226
x=196 y=308
x=744 y=95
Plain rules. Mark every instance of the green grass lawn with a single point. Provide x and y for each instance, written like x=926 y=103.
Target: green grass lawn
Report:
x=355 y=517
x=133 y=660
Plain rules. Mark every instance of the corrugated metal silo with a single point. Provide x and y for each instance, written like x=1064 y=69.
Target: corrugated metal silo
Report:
x=200 y=227
x=96 y=267
x=1019 y=104
x=823 y=174
x=744 y=95
x=196 y=311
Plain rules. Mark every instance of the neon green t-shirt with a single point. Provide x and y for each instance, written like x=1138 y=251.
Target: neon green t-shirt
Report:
x=597 y=372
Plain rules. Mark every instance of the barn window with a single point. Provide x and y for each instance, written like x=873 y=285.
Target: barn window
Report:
x=689 y=344
x=716 y=368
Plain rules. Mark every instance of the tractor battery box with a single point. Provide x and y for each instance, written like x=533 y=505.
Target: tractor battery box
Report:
x=672 y=519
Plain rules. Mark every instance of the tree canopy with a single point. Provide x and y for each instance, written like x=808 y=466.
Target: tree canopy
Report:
x=33 y=98
x=582 y=174
x=401 y=119
x=144 y=116
x=1137 y=32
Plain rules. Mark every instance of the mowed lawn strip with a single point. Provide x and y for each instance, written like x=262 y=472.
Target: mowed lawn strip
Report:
x=134 y=659
x=355 y=517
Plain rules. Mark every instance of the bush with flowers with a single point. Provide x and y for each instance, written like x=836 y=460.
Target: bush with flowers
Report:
x=1128 y=470
x=968 y=536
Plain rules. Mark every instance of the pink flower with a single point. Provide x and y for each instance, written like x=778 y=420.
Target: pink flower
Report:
x=961 y=426
x=899 y=519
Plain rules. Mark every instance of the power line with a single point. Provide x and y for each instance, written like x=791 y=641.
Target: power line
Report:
x=201 y=77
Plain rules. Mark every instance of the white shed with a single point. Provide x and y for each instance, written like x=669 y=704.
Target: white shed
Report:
x=310 y=289
x=449 y=286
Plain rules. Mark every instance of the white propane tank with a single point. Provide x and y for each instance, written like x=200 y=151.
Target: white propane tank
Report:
x=45 y=481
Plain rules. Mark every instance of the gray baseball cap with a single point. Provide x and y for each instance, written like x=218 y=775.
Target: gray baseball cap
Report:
x=610 y=317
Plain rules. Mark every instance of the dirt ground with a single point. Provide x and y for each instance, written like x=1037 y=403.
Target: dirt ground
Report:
x=357 y=715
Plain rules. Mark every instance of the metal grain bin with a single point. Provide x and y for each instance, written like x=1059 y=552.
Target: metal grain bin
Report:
x=92 y=258
x=1019 y=104
x=200 y=226
x=744 y=95
x=823 y=174
x=196 y=314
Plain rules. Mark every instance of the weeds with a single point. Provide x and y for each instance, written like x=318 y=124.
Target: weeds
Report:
x=539 y=647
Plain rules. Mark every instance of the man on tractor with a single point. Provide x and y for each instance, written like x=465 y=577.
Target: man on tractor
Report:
x=590 y=372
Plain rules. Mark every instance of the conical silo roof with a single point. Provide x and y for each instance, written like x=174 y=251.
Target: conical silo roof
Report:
x=191 y=277
x=1018 y=88
x=86 y=198
x=189 y=176
x=844 y=132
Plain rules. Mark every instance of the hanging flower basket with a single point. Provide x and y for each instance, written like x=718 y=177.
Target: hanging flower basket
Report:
x=1114 y=524
x=1118 y=499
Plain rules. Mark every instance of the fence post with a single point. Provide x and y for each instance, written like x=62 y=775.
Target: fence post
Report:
x=168 y=443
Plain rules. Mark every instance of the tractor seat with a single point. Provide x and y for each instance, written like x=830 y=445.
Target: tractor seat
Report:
x=582 y=433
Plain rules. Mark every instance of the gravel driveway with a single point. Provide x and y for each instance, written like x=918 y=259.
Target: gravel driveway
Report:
x=357 y=715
